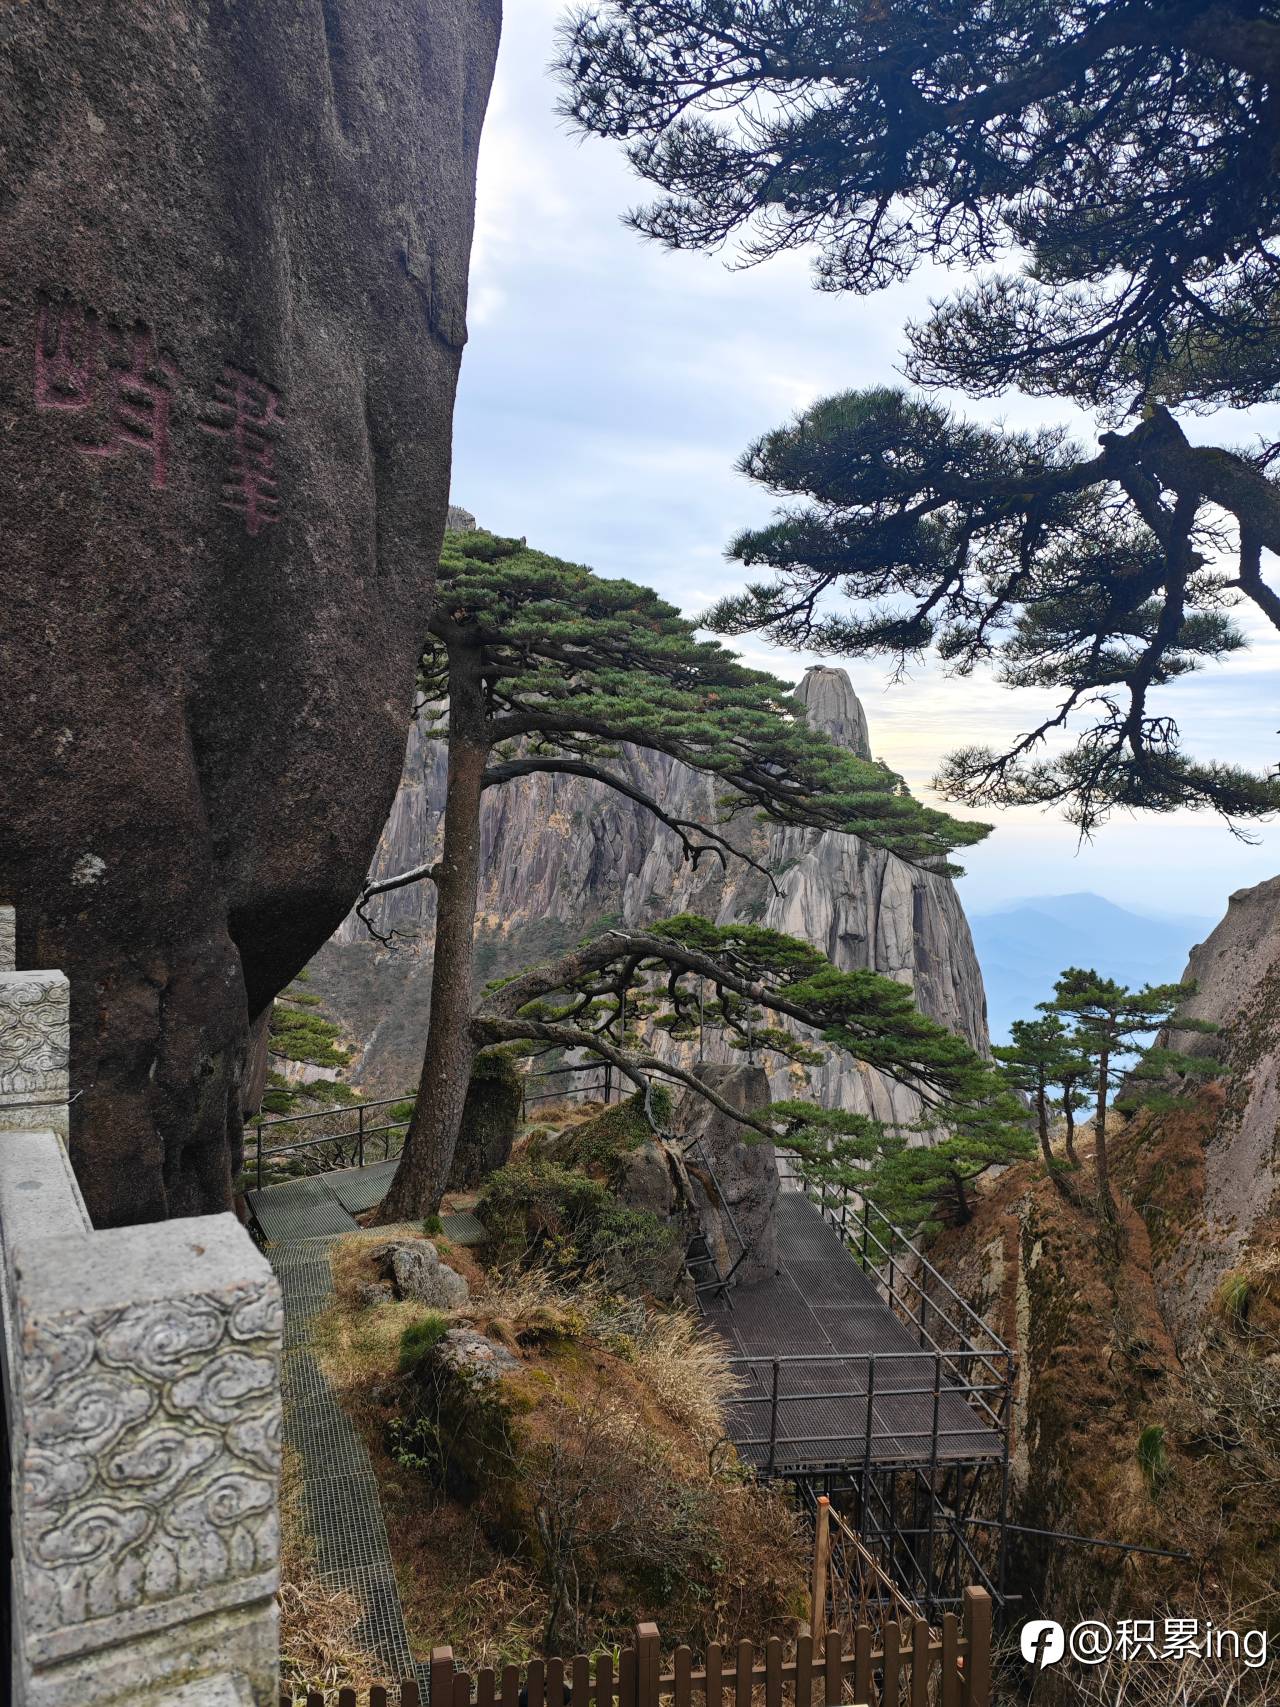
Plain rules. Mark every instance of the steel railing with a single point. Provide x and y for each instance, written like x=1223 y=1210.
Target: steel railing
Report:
x=361 y=1132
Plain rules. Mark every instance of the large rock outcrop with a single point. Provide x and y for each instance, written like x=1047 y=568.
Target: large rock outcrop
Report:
x=1148 y=1381
x=732 y=1173
x=1235 y=1170
x=234 y=249
x=562 y=854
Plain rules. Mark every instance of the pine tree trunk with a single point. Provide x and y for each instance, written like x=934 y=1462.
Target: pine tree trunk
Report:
x=423 y=1173
x=1106 y=1203
x=1070 y=1114
x=1042 y=1120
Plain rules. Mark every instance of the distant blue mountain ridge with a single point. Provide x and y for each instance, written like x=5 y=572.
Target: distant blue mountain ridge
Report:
x=1023 y=947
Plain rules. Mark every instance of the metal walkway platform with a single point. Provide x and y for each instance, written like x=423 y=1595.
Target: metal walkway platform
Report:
x=831 y=1377
x=321 y=1206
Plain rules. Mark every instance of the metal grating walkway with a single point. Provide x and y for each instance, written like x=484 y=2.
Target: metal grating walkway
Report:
x=830 y=1331
x=322 y=1206
x=299 y=1209
x=340 y=1506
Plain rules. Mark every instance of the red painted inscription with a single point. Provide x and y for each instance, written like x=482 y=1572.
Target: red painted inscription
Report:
x=246 y=413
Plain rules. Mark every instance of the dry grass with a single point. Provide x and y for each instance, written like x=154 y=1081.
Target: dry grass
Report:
x=687 y=1372
x=648 y=1380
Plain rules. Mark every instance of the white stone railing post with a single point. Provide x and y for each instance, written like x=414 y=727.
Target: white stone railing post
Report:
x=35 y=1019
x=142 y=1409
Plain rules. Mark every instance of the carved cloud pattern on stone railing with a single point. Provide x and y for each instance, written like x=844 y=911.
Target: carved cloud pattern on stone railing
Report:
x=34 y=1034
x=151 y=1452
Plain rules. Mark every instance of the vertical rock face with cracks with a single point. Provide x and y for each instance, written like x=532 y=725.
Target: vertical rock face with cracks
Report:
x=1234 y=1224
x=233 y=259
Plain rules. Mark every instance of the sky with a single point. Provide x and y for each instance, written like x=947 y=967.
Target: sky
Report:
x=608 y=389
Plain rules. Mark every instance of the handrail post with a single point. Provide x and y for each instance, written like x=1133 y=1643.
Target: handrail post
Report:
x=259 y=1155
x=818 y=1585
x=866 y=1230
x=933 y=1476
x=441 y=1685
x=648 y=1658
x=866 y=1449
x=360 y=1136
x=773 y=1418
x=977 y=1629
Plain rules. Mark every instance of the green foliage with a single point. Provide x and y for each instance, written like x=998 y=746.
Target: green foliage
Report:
x=432 y=1226
x=750 y=971
x=419 y=1338
x=1126 y=156
x=1153 y=1458
x=283 y=1097
x=578 y=664
x=602 y=1141
x=1134 y=179
x=539 y=1212
x=915 y=1185
x=300 y=1034
x=280 y=1096
x=1113 y=1025
x=1233 y=1300
x=989 y=545
x=1041 y=1057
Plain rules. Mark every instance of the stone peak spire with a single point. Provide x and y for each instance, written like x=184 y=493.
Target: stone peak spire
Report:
x=832 y=706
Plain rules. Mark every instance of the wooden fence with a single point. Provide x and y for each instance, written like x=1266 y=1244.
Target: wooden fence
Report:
x=910 y=1666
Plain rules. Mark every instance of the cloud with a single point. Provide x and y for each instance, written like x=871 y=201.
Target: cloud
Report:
x=608 y=389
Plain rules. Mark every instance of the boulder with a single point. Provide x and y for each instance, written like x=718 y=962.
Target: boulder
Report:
x=740 y=1188
x=471 y=1357
x=234 y=257
x=418 y=1274
x=644 y=1181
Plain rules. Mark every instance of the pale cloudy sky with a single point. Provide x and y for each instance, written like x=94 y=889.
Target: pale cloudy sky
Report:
x=609 y=387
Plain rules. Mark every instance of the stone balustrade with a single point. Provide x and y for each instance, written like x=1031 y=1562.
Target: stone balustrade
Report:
x=142 y=1410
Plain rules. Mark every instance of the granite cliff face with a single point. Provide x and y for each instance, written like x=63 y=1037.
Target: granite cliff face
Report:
x=1236 y=1216
x=233 y=253
x=1181 y=1333
x=562 y=855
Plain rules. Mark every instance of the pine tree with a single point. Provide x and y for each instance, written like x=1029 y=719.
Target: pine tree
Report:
x=1113 y=1024
x=1127 y=152
x=592 y=998
x=1043 y=1056
x=1089 y=575
x=535 y=665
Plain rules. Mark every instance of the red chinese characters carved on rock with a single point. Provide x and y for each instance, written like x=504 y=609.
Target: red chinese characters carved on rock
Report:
x=246 y=413
x=133 y=392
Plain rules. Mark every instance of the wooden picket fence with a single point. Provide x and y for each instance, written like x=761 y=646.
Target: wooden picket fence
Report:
x=911 y=1665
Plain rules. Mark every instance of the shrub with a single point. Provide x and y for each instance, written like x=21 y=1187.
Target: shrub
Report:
x=1233 y=1300
x=419 y=1337
x=602 y=1142
x=687 y=1372
x=1153 y=1457
x=300 y=1034
x=543 y=1212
